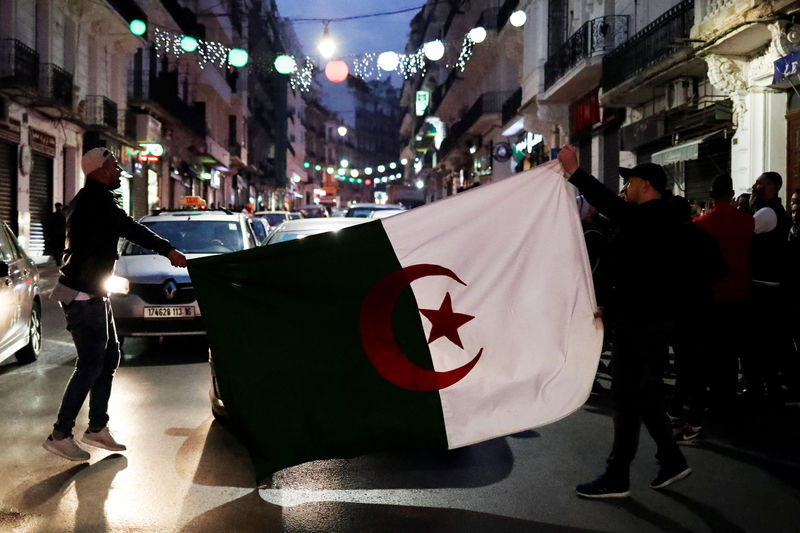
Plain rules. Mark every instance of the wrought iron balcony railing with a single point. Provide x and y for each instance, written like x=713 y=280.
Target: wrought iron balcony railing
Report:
x=653 y=44
x=597 y=37
x=163 y=90
x=100 y=111
x=19 y=65
x=55 y=85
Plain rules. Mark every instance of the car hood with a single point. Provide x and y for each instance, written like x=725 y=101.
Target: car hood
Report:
x=151 y=268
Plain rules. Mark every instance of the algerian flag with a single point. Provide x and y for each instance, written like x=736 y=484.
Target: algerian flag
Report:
x=447 y=325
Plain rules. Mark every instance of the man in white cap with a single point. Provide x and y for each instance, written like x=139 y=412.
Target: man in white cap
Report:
x=94 y=226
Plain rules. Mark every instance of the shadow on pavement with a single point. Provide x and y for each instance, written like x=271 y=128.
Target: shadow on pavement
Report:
x=155 y=351
x=92 y=485
x=715 y=520
x=212 y=456
x=250 y=513
x=635 y=508
x=472 y=466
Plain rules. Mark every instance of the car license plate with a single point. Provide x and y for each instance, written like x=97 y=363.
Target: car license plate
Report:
x=184 y=311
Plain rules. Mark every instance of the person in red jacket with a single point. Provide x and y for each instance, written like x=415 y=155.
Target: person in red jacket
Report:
x=733 y=229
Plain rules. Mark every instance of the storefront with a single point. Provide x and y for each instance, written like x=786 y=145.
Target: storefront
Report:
x=9 y=145
x=43 y=152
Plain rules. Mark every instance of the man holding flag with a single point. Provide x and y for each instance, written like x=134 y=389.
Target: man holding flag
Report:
x=647 y=289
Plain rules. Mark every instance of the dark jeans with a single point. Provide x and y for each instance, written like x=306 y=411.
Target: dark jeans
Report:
x=92 y=326
x=641 y=351
x=729 y=336
x=770 y=341
x=692 y=365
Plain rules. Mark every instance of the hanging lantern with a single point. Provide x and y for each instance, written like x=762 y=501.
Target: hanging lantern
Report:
x=238 y=57
x=188 y=43
x=285 y=64
x=478 y=34
x=336 y=71
x=434 y=50
x=388 y=61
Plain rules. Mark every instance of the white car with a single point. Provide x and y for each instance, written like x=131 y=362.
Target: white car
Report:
x=300 y=229
x=161 y=300
x=20 y=304
x=374 y=210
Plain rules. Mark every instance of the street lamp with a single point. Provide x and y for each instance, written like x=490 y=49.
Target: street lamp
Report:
x=342 y=130
x=326 y=45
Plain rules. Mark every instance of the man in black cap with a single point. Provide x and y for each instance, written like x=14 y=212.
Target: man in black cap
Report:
x=646 y=297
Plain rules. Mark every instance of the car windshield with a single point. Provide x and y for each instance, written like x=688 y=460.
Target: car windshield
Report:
x=283 y=236
x=360 y=212
x=194 y=237
x=274 y=218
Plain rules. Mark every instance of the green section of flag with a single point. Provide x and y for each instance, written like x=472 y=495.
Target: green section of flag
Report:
x=283 y=326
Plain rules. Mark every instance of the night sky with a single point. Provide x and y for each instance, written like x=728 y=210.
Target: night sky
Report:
x=377 y=34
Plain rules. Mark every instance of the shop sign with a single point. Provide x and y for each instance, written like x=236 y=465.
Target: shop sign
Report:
x=423 y=100
x=150 y=151
x=586 y=114
x=216 y=179
x=320 y=192
x=11 y=131
x=42 y=142
x=526 y=145
x=786 y=66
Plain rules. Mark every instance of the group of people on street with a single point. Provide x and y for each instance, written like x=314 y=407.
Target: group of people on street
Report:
x=666 y=276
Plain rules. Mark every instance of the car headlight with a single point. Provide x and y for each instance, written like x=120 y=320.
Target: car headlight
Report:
x=117 y=285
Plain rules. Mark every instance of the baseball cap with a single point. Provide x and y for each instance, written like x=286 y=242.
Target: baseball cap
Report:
x=94 y=159
x=649 y=172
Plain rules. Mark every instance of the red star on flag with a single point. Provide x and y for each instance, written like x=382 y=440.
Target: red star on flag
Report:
x=445 y=323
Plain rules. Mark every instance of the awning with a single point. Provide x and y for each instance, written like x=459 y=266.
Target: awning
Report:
x=687 y=151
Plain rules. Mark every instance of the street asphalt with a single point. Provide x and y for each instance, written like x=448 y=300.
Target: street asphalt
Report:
x=185 y=472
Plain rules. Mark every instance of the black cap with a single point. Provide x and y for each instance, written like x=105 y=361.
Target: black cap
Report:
x=649 y=172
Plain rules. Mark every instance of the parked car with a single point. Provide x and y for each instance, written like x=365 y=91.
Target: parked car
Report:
x=339 y=211
x=367 y=210
x=291 y=230
x=300 y=229
x=160 y=299
x=313 y=211
x=295 y=215
x=273 y=218
x=20 y=302
x=261 y=227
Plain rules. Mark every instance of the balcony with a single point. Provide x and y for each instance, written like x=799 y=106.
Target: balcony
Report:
x=128 y=10
x=486 y=105
x=511 y=106
x=584 y=48
x=163 y=92
x=101 y=112
x=55 y=86
x=658 y=42
x=19 y=66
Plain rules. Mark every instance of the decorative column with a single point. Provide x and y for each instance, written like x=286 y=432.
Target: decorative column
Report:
x=759 y=144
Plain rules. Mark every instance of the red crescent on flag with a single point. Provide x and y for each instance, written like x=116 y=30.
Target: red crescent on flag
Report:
x=378 y=339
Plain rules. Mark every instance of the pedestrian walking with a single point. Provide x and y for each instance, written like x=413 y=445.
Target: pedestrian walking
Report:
x=767 y=257
x=691 y=344
x=94 y=226
x=647 y=262
x=733 y=230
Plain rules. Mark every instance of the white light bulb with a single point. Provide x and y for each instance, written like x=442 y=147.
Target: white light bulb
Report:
x=393 y=165
x=368 y=171
x=518 y=18
x=388 y=61
x=326 y=47
x=404 y=161
x=381 y=168
x=434 y=50
x=420 y=184
x=478 y=34
x=344 y=163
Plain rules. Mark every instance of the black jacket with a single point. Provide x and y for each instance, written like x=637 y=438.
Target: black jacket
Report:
x=94 y=226
x=652 y=266
x=767 y=251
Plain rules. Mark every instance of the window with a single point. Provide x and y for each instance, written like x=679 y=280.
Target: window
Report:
x=7 y=252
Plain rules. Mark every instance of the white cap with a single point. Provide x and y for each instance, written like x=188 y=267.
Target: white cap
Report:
x=94 y=159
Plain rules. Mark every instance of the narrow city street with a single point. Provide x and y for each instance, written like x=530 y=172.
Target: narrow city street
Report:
x=185 y=472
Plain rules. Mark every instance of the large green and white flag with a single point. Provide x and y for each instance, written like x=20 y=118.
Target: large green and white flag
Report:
x=447 y=325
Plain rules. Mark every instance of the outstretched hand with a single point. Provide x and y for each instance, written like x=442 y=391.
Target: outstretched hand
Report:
x=568 y=158
x=176 y=258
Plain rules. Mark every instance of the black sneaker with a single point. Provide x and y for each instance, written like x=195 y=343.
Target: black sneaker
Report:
x=668 y=476
x=604 y=487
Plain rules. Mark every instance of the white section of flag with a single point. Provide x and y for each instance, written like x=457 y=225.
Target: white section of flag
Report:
x=518 y=245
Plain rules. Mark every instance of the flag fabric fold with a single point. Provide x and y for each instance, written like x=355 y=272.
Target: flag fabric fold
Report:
x=450 y=324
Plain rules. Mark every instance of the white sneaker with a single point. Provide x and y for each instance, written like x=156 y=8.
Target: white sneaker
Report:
x=66 y=448
x=102 y=439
